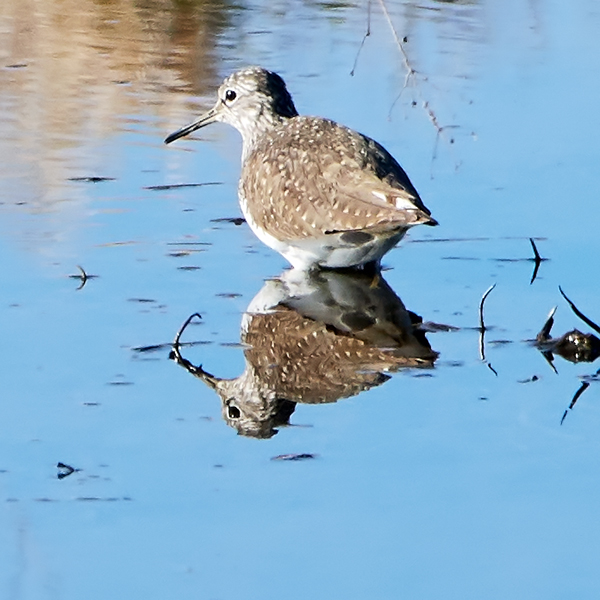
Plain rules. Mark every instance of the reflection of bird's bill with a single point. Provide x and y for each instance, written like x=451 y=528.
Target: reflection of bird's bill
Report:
x=206 y=119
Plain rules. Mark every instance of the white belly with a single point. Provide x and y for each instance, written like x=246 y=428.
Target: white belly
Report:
x=327 y=250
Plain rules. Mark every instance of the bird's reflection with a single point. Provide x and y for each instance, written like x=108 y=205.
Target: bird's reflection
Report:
x=314 y=338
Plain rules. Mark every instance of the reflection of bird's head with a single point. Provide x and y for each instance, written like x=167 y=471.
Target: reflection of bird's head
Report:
x=314 y=339
x=250 y=409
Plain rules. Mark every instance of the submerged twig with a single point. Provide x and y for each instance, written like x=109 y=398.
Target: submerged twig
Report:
x=584 y=386
x=550 y=359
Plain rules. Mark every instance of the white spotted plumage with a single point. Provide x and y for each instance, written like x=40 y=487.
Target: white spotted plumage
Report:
x=317 y=192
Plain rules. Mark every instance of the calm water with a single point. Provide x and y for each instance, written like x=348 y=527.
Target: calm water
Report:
x=456 y=481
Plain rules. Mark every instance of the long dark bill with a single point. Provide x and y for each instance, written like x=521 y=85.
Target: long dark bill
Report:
x=205 y=119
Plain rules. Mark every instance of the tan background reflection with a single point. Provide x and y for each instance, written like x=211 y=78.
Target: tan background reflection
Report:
x=75 y=71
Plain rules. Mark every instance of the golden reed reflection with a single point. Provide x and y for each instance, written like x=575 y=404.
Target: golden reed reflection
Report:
x=74 y=71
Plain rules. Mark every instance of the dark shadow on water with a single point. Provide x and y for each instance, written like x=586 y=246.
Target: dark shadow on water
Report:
x=314 y=338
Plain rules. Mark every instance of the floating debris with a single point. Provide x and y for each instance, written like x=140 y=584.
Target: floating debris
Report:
x=593 y=377
x=574 y=345
x=189 y=243
x=65 y=470
x=175 y=186
x=431 y=327
x=99 y=499
x=529 y=380
x=456 y=239
x=295 y=457
x=157 y=347
x=150 y=348
x=235 y=220
x=83 y=276
x=181 y=253
x=91 y=179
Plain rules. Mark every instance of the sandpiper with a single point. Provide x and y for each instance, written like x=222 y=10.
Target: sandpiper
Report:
x=319 y=193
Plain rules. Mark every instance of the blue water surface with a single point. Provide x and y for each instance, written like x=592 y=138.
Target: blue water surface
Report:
x=457 y=482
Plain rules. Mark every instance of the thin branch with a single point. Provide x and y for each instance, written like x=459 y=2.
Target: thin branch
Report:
x=82 y=276
x=197 y=371
x=410 y=70
x=538 y=260
x=584 y=386
x=536 y=254
x=585 y=319
x=483 y=299
x=543 y=337
x=176 y=342
x=367 y=34
x=407 y=64
x=482 y=327
x=550 y=360
x=544 y=334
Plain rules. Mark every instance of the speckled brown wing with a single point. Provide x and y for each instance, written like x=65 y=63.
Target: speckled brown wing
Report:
x=311 y=176
x=305 y=361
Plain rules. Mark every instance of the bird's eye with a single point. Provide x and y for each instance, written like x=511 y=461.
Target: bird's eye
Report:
x=233 y=412
x=230 y=95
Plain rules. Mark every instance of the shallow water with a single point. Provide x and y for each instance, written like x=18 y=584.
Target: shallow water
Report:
x=454 y=481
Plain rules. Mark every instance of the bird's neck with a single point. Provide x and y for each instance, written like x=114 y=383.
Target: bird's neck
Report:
x=251 y=135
